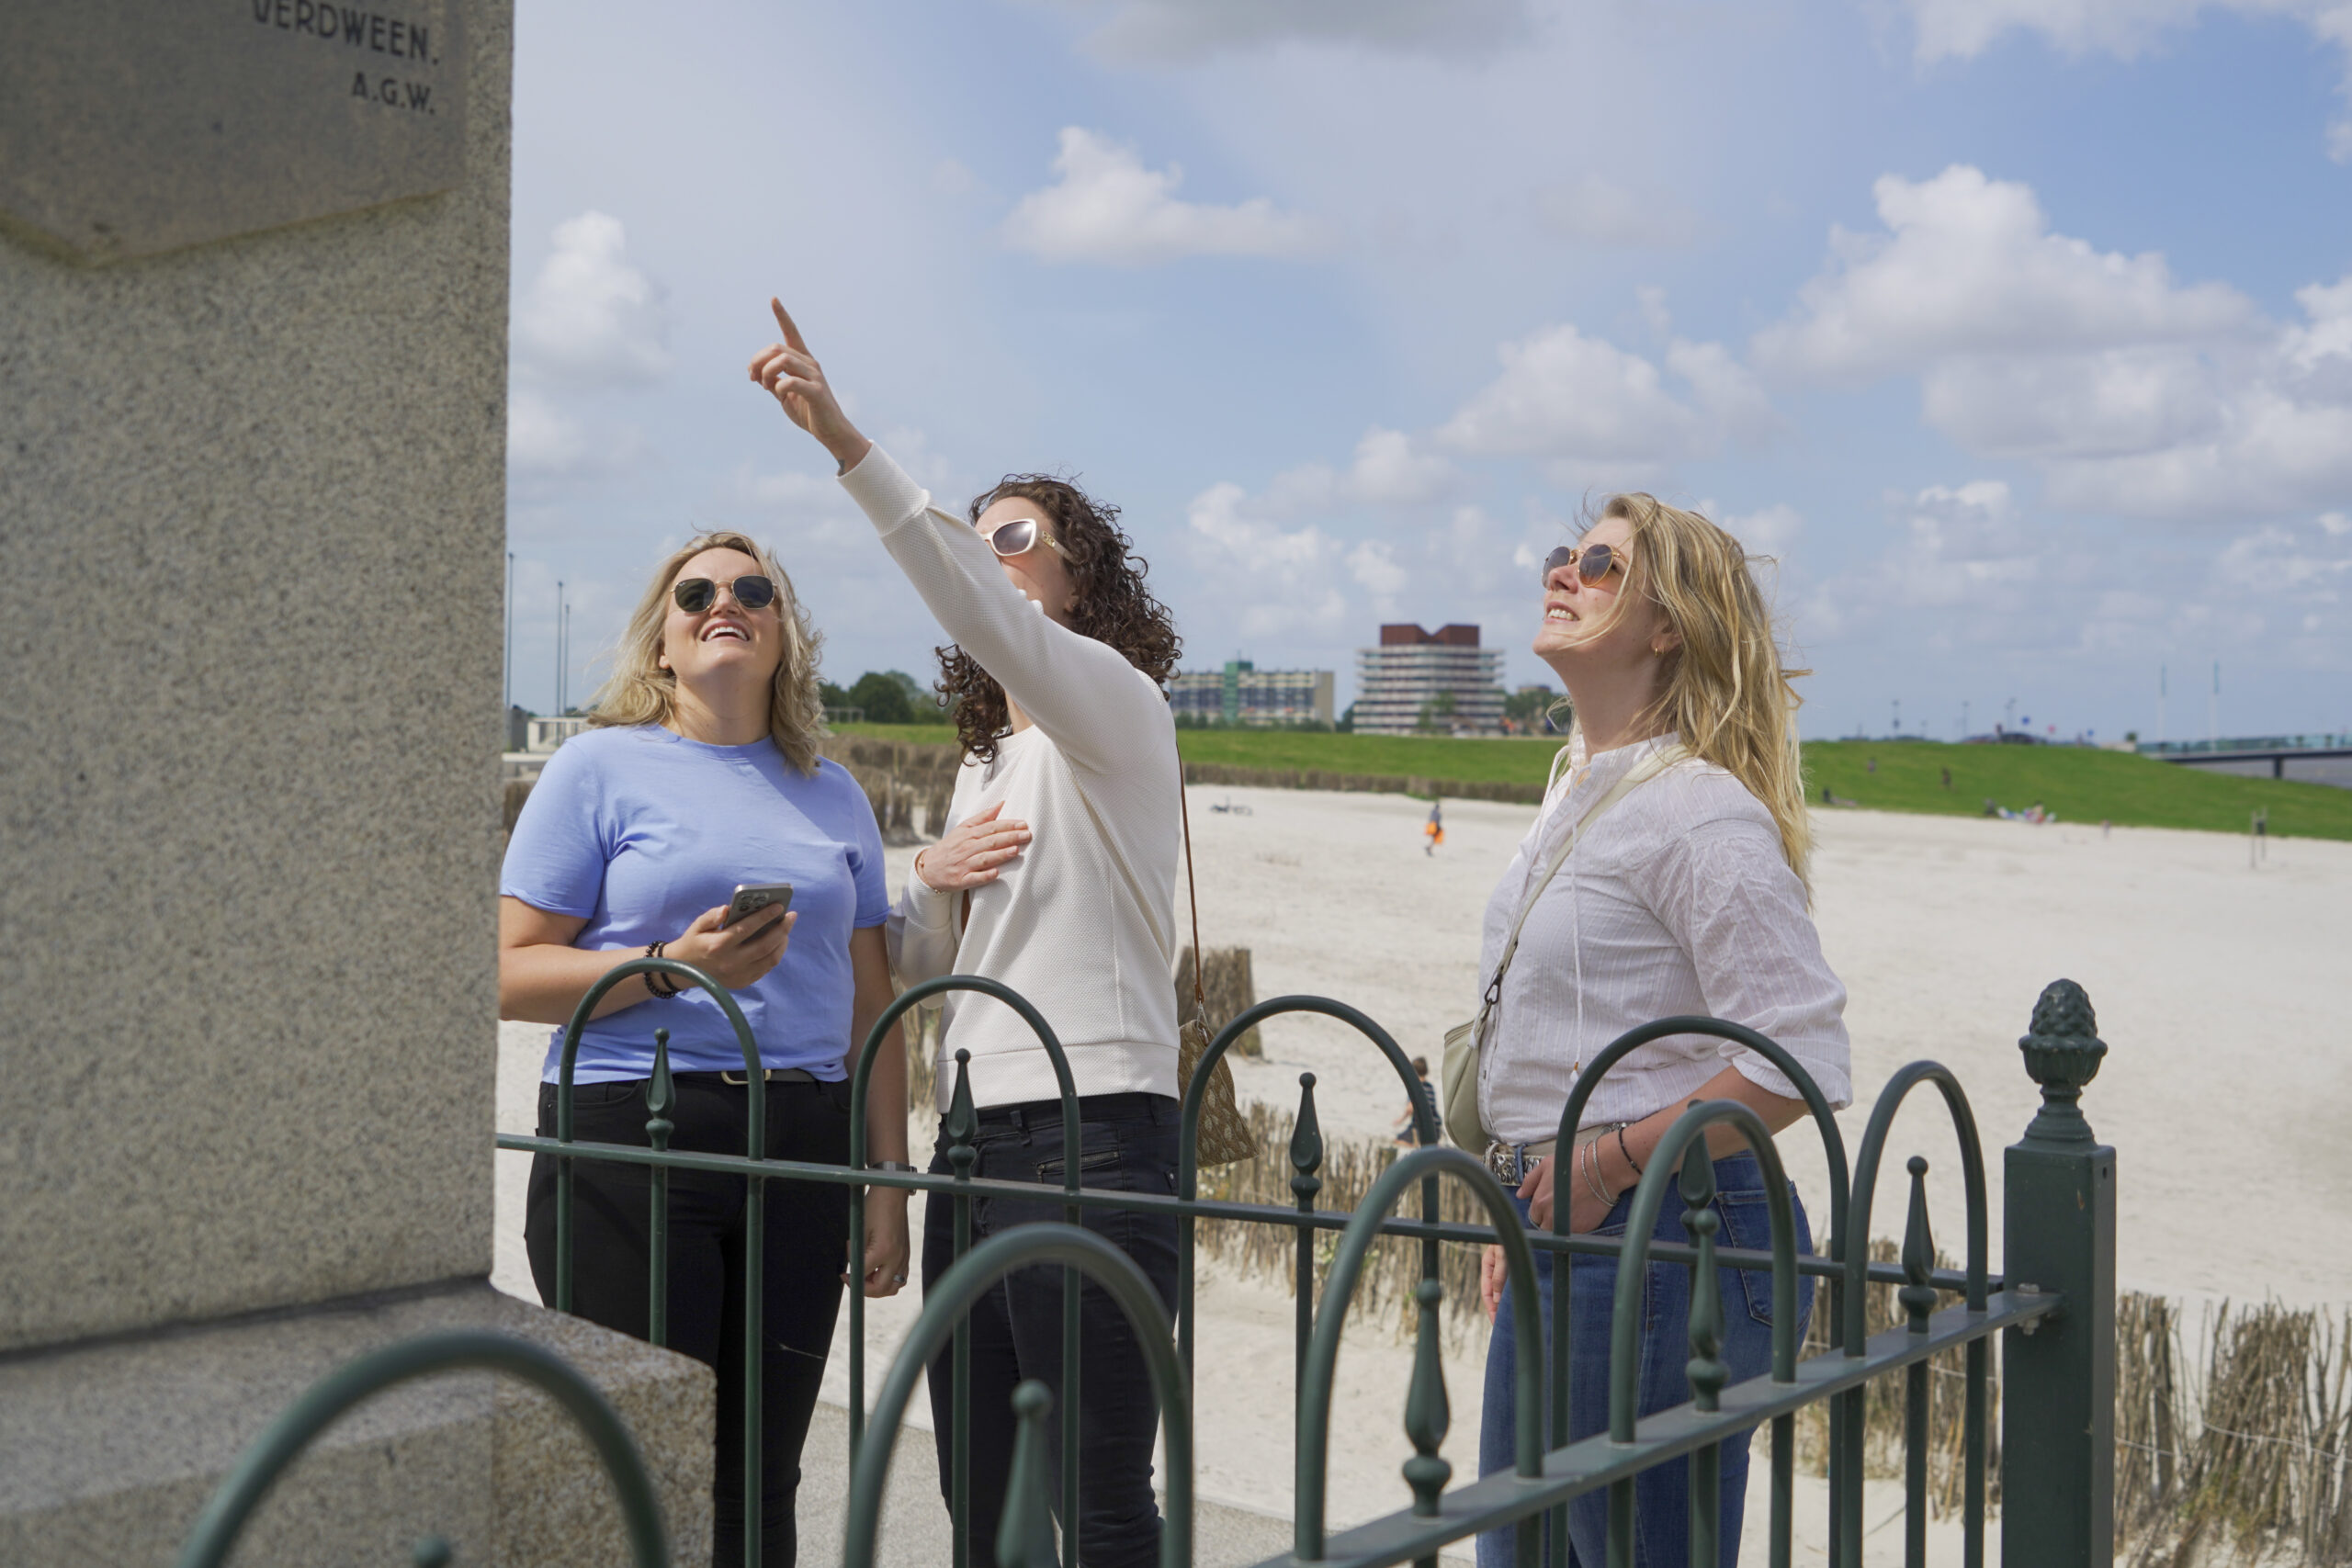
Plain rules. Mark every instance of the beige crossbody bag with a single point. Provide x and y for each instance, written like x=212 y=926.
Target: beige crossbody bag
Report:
x=1463 y=1041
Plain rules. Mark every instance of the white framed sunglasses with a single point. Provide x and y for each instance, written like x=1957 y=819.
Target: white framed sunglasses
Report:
x=1020 y=537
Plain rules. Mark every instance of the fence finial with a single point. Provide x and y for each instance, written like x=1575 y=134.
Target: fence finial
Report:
x=1428 y=1412
x=2062 y=1053
x=962 y=1125
x=1917 y=1296
x=1306 y=1142
x=1024 y=1537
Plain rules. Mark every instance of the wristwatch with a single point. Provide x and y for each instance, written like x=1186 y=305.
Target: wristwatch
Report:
x=899 y=1166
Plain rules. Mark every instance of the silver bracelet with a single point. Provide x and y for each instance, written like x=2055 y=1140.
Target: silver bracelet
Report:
x=1592 y=1175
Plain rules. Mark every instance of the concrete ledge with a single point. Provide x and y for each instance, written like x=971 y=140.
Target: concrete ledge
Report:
x=109 y=1450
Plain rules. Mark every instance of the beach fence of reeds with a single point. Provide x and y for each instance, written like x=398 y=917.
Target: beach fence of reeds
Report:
x=2233 y=1446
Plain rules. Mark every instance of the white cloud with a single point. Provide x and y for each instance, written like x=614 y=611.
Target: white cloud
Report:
x=1728 y=390
x=1104 y=206
x=2134 y=393
x=1767 y=530
x=1375 y=567
x=1590 y=210
x=1968 y=568
x=1963 y=30
x=1585 y=403
x=1392 y=469
x=1281 y=583
x=1968 y=265
x=547 y=446
x=1960 y=547
x=539 y=437
x=591 y=317
x=1183 y=31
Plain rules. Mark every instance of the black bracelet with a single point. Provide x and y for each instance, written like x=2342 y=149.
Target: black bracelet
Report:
x=667 y=986
x=1628 y=1153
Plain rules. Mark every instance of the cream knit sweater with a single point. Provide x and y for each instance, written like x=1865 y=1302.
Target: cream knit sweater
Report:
x=1082 y=922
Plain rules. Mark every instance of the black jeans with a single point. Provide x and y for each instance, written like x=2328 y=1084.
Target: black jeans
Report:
x=801 y=1260
x=1128 y=1144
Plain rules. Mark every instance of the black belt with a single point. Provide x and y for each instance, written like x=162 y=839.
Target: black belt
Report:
x=736 y=1080
x=1134 y=1105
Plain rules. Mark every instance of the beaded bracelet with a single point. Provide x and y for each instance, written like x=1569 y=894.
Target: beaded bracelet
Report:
x=667 y=988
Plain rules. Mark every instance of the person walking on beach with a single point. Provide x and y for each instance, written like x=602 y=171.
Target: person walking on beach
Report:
x=1060 y=882
x=699 y=773
x=1683 y=891
x=1426 y=1094
x=1434 y=829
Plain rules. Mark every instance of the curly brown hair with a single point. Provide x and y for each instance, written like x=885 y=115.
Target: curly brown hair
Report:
x=1113 y=604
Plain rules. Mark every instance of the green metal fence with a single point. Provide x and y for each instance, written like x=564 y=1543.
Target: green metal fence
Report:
x=2052 y=1307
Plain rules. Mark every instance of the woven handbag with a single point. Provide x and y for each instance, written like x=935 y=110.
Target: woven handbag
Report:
x=1223 y=1137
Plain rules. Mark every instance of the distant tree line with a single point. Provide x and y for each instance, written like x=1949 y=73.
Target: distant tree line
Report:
x=888 y=697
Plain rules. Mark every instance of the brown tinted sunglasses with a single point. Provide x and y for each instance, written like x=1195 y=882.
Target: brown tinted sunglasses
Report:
x=1592 y=563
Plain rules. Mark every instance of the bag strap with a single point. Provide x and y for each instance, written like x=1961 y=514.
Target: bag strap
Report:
x=1192 y=899
x=1641 y=772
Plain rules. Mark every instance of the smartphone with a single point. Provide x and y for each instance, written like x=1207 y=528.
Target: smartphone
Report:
x=752 y=897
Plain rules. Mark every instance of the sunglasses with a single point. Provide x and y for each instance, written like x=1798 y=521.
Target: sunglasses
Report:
x=1592 y=563
x=1020 y=537
x=695 y=595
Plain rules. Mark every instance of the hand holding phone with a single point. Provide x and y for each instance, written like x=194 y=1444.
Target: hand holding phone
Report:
x=751 y=897
x=737 y=943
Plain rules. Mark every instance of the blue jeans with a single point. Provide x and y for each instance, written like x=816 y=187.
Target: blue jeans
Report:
x=1661 y=1494
x=1127 y=1143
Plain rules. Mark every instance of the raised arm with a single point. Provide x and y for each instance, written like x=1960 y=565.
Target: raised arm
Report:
x=1082 y=692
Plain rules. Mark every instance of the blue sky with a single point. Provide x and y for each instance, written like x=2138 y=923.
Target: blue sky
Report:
x=2018 y=333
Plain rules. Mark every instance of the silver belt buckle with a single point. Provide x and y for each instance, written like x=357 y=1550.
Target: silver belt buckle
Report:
x=1502 y=1161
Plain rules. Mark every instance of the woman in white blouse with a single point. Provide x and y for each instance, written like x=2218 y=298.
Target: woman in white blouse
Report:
x=1686 y=893
x=1061 y=883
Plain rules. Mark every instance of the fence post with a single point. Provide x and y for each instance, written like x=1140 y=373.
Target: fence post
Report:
x=2058 y=1375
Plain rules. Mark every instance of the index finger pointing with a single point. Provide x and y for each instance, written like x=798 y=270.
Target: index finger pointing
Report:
x=784 y=319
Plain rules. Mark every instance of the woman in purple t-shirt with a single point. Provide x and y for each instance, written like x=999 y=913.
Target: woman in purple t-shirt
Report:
x=701 y=774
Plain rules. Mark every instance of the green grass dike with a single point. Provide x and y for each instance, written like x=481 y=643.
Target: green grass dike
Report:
x=2078 y=784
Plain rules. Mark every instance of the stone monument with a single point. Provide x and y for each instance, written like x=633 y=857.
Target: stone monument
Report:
x=253 y=362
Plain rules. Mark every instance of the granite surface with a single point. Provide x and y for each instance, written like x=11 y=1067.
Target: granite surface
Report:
x=200 y=121
x=108 y=1451
x=252 y=520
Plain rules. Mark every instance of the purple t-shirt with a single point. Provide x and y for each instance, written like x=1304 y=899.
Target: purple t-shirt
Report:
x=638 y=830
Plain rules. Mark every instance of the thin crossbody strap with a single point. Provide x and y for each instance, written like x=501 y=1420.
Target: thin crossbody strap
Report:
x=1192 y=895
x=1641 y=772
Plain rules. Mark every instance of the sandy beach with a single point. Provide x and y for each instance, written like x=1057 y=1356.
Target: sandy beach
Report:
x=2209 y=978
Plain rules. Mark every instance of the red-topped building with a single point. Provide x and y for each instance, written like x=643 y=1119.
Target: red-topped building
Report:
x=1401 y=686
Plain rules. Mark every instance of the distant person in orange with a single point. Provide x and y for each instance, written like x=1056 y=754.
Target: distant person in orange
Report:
x=1434 y=828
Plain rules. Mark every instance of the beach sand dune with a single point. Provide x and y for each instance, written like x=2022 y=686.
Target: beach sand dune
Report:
x=2219 y=990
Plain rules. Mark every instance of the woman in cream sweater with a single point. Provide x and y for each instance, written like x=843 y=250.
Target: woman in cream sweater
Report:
x=1060 y=883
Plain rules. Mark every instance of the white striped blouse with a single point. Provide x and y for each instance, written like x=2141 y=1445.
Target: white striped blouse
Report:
x=1678 y=900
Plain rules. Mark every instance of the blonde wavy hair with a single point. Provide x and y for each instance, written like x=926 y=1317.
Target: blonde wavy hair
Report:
x=641 y=692
x=1725 y=690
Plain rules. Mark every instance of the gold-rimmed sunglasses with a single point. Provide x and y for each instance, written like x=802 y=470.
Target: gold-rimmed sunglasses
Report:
x=753 y=591
x=1020 y=537
x=1592 y=563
